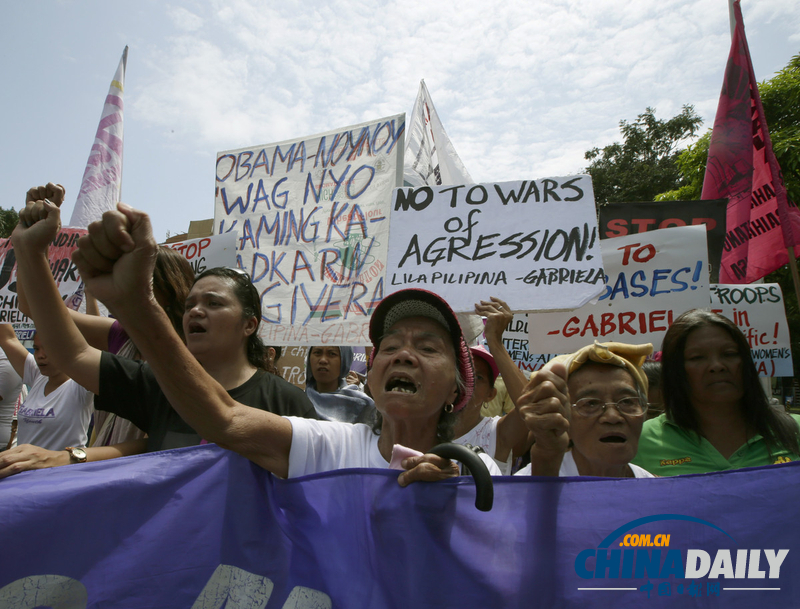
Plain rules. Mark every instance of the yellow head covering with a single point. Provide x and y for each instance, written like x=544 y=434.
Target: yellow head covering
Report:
x=630 y=357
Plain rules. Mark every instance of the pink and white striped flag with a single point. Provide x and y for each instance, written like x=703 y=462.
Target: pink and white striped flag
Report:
x=102 y=179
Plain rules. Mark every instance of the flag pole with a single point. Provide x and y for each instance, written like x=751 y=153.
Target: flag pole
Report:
x=732 y=17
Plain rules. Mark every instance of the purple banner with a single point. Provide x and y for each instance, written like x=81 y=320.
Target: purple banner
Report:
x=203 y=527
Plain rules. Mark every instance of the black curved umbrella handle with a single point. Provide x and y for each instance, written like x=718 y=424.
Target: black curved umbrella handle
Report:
x=484 y=491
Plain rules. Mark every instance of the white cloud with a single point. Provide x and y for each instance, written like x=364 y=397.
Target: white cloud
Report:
x=523 y=88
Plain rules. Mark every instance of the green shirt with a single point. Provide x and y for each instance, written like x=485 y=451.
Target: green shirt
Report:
x=667 y=450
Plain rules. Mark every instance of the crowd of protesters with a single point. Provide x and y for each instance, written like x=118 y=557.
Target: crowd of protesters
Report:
x=182 y=364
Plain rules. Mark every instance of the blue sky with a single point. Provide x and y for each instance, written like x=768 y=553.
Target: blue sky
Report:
x=523 y=88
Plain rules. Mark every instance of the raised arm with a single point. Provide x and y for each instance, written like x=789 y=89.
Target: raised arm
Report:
x=38 y=225
x=116 y=262
x=15 y=352
x=512 y=434
x=544 y=406
x=94 y=329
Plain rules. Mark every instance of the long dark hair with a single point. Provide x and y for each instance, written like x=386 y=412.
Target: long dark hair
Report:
x=173 y=277
x=247 y=295
x=777 y=428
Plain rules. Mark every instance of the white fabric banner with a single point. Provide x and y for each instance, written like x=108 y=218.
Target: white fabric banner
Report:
x=651 y=278
x=430 y=158
x=759 y=312
x=532 y=243
x=312 y=215
x=102 y=178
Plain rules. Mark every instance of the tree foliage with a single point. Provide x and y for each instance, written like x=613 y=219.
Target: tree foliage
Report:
x=645 y=163
x=8 y=220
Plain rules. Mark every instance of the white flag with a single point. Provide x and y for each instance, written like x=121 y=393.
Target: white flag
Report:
x=102 y=179
x=430 y=157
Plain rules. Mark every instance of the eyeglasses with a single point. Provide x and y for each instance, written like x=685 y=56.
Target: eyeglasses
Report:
x=592 y=407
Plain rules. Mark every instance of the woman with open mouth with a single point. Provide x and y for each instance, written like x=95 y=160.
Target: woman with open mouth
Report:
x=221 y=318
x=595 y=432
x=420 y=366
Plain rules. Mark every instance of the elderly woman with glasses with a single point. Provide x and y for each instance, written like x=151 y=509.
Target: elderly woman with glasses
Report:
x=220 y=323
x=593 y=428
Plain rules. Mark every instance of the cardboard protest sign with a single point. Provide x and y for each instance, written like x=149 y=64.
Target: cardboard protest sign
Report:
x=312 y=216
x=651 y=278
x=292 y=365
x=532 y=243
x=64 y=271
x=208 y=252
x=759 y=312
x=619 y=219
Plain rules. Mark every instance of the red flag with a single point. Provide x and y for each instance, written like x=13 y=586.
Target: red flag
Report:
x=761 y=221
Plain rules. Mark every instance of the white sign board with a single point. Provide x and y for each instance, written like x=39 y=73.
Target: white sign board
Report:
x=759 y=312
x=64 y=272
x=532 y=243
x=208 y=252
x=515 y=339
x=312 y=216
x=651 y=278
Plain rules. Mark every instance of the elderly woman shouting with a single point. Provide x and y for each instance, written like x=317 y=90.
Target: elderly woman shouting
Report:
x=421 y=368
x=591 y=427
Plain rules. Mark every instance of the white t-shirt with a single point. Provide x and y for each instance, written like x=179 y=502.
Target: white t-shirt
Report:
x=569 y=468
x=322 y=446
x=484 y=434
x=56 y=420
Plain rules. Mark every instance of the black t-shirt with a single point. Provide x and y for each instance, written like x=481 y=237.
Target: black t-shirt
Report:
x=129 y=389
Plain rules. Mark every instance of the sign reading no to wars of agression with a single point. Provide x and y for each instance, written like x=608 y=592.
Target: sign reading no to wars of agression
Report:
x=533 y=243
x=312 y=216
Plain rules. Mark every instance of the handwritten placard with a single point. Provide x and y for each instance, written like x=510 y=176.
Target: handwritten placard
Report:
x=651 y=278
x=533 y=243
x=312 y=216
x=64 y=272
x=208 y=252
x=759 y=312
x=515 y=339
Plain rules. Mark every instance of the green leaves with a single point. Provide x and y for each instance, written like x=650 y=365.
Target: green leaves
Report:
x=645 y=164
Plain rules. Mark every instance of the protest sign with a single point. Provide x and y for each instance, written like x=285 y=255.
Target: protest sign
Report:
x=64 y=272
x=759 y=312
x=651 y=278
x=515 y=339
x=619 y=219
x=312 y=216
x=208 y=252
x=292 y=365
x=466 y=243
x=203 y=527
